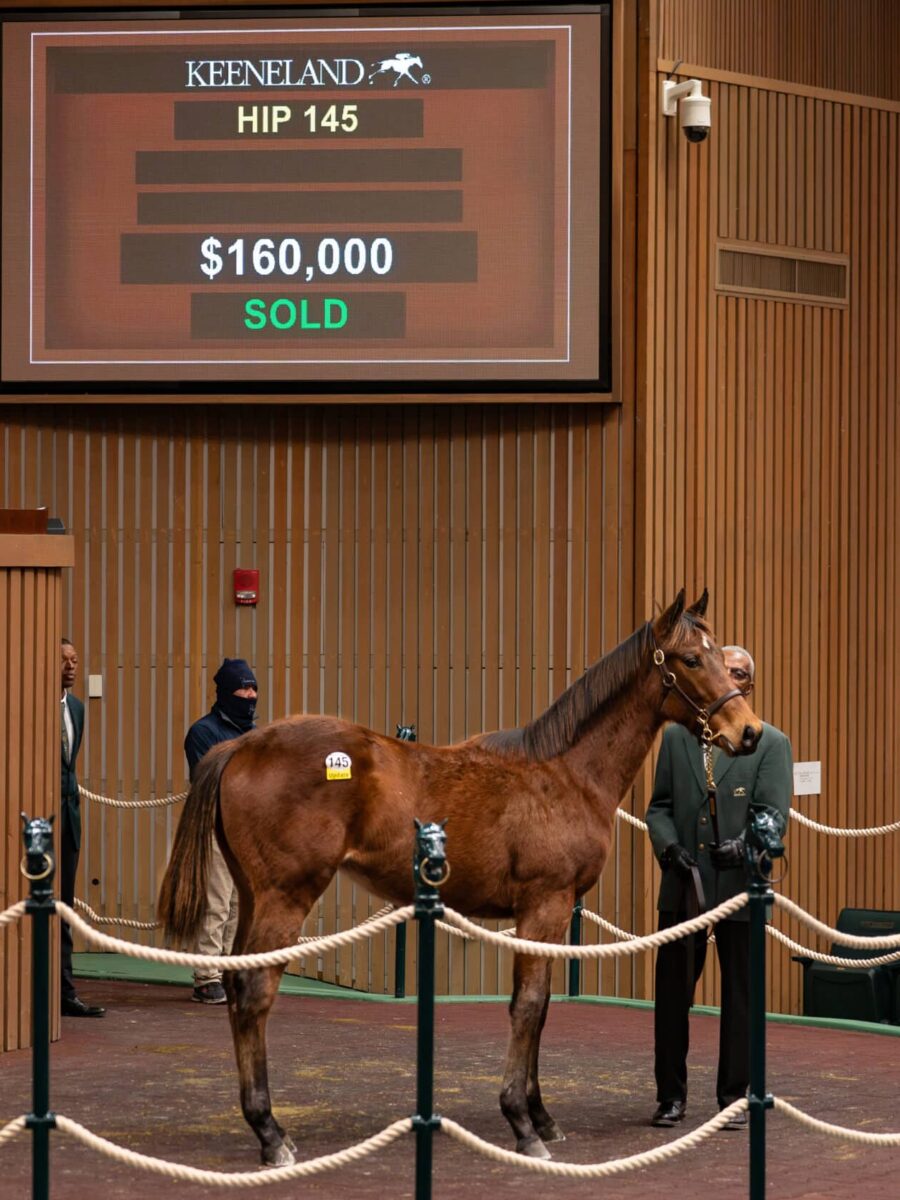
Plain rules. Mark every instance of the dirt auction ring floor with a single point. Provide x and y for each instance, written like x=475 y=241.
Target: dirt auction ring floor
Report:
x=157 y=1075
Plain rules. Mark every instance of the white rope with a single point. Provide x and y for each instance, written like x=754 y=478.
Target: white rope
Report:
x=86 y=908
x=159 y=802
x=631 y=819
x=617 y=950
x=881 y=961
x=836 y=831
x=615 y=1166
x=236 y=1179
x=596 y=919
x=233 y=962
x=15 y=913
x=853 y=1135
x=891 y=942
x=12 y=1129
x=382 y=912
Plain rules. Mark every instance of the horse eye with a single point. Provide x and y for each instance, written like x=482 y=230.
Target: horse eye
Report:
x=691 y=662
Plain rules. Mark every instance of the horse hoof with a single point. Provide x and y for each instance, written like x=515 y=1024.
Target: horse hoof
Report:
x=532 y=1147
x=551 y=1133
x=290 y=1143
x=279 y=1156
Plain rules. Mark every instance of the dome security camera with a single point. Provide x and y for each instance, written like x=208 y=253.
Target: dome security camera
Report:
x=693 y=108
x=694 y=113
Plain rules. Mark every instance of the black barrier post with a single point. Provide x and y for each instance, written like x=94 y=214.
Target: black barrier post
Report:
x=38 y=866
x=763 y=845
x=575 y=940
x=400 y=961
x=405 y=733
x=431 y=869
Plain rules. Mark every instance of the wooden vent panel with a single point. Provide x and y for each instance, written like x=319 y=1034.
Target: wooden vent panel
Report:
x=782 y=274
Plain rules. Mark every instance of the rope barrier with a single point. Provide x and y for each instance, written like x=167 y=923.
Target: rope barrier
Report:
x=596 y=919
x=891 y=942
x=234 y=962
x=615 y=1166
x=159 y=802
x=86 y=908
x=836 y=831
x=621 y=814
x=556 y=950
x=801 y=818
x=12 y=1129
x=15 y=913
x=853 y=1135
x=235 y=1179
x=881 y=961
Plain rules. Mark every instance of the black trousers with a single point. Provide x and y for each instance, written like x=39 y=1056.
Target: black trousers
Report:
x=678 y=967
x=68 y=866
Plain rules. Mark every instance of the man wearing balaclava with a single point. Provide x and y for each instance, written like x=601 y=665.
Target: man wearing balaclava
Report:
x=230 y=716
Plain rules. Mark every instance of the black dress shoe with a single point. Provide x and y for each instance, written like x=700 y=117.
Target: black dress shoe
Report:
x=669 y=1113
x=74 y=1006
x=738 y=1121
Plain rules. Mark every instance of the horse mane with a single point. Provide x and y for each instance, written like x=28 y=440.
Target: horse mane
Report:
x=565 y=721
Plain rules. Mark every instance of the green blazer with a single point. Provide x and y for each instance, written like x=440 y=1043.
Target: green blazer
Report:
x=679 y=808
x=71 y=802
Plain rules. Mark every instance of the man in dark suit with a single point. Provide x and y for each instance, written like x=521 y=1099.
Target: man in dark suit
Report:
x=72 y=720
x=684 y=842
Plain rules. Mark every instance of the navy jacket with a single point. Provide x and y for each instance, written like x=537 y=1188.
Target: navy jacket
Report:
x=215 y=727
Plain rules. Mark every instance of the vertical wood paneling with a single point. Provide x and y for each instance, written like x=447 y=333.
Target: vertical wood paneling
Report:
x=773 y=464
x=844 y=45
x=412 y=565
x=30 y=618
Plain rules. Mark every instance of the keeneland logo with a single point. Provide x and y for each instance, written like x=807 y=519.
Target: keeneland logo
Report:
x=297 y=73
x=402 y=65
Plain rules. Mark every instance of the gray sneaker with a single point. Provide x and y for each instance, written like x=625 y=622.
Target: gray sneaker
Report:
x=209 y=993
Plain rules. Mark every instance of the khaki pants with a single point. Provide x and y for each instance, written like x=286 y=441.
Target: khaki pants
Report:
x=220 y=920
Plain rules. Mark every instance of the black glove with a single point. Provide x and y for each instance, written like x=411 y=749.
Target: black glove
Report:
x=726 y=855
x=676 y=857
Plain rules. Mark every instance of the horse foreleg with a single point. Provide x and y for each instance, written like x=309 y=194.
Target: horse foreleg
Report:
x=520 y=1096
x=530 y=991
x=546 y=1127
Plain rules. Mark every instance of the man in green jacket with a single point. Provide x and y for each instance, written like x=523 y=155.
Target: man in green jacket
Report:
x=684 y=842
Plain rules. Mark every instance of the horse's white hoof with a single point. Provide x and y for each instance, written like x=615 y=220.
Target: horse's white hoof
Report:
x=552 y=1133
x=282 y=1157
x=532 y=1148
x=290 y=1143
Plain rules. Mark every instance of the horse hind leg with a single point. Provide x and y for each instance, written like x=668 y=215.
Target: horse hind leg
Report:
x=251 y=994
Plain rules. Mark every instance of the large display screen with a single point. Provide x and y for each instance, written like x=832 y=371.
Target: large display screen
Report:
x=320 y=200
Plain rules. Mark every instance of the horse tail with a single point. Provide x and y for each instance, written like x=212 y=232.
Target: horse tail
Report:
x=182 y=897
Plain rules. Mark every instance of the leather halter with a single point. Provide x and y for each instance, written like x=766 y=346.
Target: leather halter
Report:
x=702 y=712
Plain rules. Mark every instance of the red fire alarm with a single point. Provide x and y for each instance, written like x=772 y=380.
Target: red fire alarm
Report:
x=246 y=585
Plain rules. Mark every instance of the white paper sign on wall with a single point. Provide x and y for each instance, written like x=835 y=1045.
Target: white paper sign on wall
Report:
x=807 y=779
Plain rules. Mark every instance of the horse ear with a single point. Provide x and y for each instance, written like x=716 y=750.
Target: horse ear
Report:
x=444 y=823
x=418 y=822
x=670 y=618
x=698 y=608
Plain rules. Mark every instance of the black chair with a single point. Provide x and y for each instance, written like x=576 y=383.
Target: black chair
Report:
x=855 y=993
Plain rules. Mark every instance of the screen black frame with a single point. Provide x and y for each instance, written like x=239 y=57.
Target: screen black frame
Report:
x=166 y=390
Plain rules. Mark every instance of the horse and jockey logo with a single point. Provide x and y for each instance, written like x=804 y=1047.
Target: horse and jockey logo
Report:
x=402 y=65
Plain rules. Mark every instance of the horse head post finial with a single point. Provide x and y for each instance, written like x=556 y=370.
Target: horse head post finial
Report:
x=38 y=863
x=430 y=867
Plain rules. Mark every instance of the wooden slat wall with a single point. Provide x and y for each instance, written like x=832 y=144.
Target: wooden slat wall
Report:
x=30 y=604
x=772 y=441
x=844 y=45
x=455 y=566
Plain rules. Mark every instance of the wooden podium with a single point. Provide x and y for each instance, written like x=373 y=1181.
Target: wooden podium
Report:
x=31 y=566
